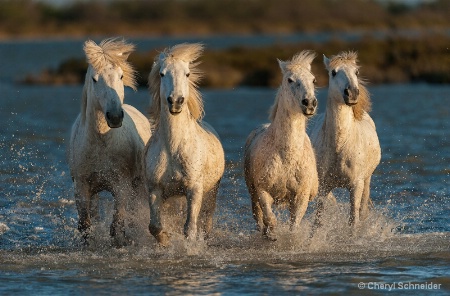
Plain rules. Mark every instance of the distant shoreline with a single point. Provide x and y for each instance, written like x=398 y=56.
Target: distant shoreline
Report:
x=233 y=61
x=307 y=36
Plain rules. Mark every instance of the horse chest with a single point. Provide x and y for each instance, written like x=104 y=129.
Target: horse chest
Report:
x=106 y=158
x=343 y=166
x=168 y=168
x=281 y=174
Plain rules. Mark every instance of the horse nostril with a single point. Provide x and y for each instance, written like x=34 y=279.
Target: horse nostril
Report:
x=170 y=100
x=315 y=103
x=346 y=92
x=357 y=91
x=305 y=102
x=121 y=114
x=180 y=100
x=108 y=115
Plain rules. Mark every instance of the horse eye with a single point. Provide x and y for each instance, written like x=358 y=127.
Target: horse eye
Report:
x=121 y=77
x=290 y=80
x=357 y=72
x=333 y=72
x=93 y=79
x=314 y=81
x=161 y=74
x=187 y=75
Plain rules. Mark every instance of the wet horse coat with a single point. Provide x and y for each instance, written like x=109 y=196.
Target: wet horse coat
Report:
x=108 y=137
x=345 y=138
x=280 y=165
x=184 y=156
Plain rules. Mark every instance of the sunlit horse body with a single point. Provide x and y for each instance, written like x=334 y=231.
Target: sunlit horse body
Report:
x=345 y=138
x=280 y=165
x=184 y=156
x=108 y=137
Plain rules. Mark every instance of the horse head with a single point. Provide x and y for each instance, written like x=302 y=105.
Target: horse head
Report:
x=173 y=81
x=343 y=76
x=174 y=87
x=299 y=81
x=107 y=74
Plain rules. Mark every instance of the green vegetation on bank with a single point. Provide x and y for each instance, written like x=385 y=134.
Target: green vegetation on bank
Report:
x=28 y=18
x=390 y=60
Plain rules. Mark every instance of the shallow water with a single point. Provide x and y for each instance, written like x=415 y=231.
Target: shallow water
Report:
x=405 y=240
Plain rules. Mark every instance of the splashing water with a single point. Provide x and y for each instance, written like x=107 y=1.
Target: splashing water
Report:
x=405 y=238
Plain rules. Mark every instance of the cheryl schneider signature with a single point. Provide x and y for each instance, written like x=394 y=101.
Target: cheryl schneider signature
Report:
x=399 y=286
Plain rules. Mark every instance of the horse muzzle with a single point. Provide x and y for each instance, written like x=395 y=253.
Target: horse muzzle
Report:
x=309 y=106
x=351 y=96
x=114 y=119
x=175 y=105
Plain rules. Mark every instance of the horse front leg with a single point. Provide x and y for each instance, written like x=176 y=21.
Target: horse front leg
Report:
x=155 y=226
x=364 y=209
x=356 y=192
x=94 y=207
x=269 y=219
x=297 y=209
x=117 y=229
x=321 y=196
x=83 y=199
x=256 y=208
x=194 y=199
x=208 y=209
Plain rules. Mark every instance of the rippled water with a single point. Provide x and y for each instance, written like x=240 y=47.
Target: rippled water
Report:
x=405 y=240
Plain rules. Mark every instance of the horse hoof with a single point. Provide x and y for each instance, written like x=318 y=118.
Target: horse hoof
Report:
x=271 y=237
x=85 y=240
x=162 y=238
x=121 y=241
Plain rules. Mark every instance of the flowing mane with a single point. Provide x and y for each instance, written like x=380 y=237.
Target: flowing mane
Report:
x=111 y=51
x=364 y=103
x=301 y=60
x=185 y=52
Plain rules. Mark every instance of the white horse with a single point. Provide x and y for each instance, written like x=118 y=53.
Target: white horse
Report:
x=108 y=137
x=345 y=138
x=280 y=165
x=184 y=155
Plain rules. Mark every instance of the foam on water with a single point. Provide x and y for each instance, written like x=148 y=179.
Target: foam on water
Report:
x=234 y=237
x=406 y=236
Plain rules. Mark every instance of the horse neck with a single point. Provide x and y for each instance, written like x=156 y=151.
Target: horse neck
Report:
x=95 y=122
x=339 y=120
x=177 y=128
x=289 y=124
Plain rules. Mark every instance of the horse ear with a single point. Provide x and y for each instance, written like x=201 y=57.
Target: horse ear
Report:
x=125 y=54
x=282 y=65
x=89 y=45
x=161 y=56
x=326 y=61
